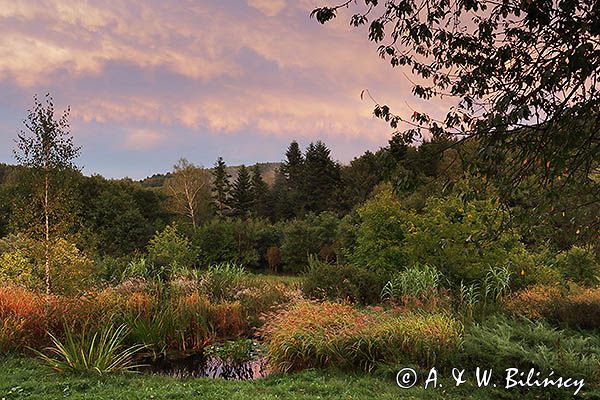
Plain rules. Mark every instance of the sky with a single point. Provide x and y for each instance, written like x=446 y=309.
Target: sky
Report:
x=149 y=82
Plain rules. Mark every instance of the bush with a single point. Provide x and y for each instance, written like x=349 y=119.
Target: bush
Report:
x=341 y=282
x=580 y=309
x=337 y=335
x=243 y=242
x=533 y=302
x=23 y=263
x=378 y=238
x=17 y=269
x=462 y=239
x=501 y=342
x=530 y=269
x=580 y=265
x=170 y=249
x=315 y=235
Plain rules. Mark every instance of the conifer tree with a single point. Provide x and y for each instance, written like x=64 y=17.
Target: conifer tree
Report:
x=221 y=187
x=260 y=191
x=321 y=178
x=293 y=171
x=241 y=193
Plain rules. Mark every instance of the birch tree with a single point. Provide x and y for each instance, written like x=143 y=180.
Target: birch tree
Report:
x=45 y=147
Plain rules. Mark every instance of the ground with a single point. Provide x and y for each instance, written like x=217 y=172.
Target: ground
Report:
x=23 y=378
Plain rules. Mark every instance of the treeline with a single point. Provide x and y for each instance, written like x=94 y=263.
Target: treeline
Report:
x=303 y=212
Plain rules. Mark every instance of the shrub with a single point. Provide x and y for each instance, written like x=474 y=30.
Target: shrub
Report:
x=580 y=265
x=378 y=238
x=242 y=242
x=580 y=309
x=501 y=342
x=100 y=352
x=530 y=268
x=23 y=260
x=533 y=302
x=315 y=235
x=17 y=269
x=169 y=249
x=341 y=282
x=337 y=335
x=462 y=239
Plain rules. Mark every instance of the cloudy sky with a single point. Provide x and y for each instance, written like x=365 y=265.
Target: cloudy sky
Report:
x=149 y=82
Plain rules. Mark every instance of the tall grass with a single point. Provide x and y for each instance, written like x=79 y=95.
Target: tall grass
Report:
x=419 y=282
x=100 y=352
x=221 y=280
x=338 y=335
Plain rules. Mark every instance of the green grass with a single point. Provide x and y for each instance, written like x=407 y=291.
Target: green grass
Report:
x=22 y=378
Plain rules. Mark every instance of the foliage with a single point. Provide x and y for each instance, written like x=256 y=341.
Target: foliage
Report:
x=577 y=308
x=16 y=268
x=580 y=264
x=22 y=262
x=524 y=344
x=379 y=234
x=118 y=218
x=325 y=281
x=241 y=195
x=101 y=352
x=419 y=282
x=580 y=309
x=332 y=334
x=314 y=235
x=221 y=280
x=462 y=239
x=542 y=118
x=235 y=241
x=170 y=249
x=533 y=302
x=189 y=190
x=221 y=187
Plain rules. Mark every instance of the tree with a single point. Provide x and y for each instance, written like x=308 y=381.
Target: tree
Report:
x=260 y=191
x=241 y=193
x=186 y=186
x=46 y=148
x=321 y=179
x=221 y=187
x=293 y=171
x=523 y=75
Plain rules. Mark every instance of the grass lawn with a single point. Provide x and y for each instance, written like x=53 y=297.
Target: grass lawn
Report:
x=22 y=378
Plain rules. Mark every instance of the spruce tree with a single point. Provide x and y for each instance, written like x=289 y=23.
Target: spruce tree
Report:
x=241 y=193
x=293 y=171
x=260 y=191
x=221 y=187
x=321 y=181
